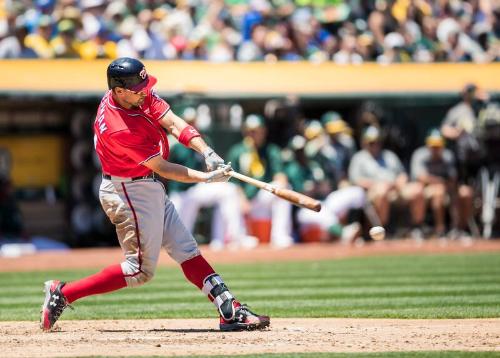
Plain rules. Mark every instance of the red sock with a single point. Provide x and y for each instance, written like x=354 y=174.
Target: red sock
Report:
x=109 y=279
x=196 y=270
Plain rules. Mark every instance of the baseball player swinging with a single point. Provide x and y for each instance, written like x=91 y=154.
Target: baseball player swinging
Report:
x=131 y=143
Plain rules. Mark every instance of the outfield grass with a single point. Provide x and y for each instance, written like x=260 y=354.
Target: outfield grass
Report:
x=447 y=354
x=426 y=286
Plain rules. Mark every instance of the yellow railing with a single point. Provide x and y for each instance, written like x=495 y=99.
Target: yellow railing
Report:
x=75 y=76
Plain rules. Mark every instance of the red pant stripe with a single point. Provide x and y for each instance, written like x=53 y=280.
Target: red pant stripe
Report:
x=136 y=232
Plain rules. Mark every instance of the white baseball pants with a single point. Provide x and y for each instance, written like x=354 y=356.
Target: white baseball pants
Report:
x=145 y=221
x=336 y=205
x=227 y=224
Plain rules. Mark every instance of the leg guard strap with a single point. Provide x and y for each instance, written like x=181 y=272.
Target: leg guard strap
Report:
x=214 y=287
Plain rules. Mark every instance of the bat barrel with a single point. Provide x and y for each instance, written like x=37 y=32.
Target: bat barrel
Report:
x=299 y=199
x=287 y=194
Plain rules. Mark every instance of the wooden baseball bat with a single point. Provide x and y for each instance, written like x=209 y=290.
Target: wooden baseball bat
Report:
x=298 y=199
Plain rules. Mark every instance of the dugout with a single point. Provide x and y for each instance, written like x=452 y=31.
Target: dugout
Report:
x=47 y=109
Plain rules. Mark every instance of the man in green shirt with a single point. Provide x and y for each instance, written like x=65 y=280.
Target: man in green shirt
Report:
x=257 y=158
x=339 y=148
x=227 y=222
x=308 y=177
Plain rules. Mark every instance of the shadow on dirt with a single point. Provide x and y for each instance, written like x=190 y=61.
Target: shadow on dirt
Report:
x=173 y=330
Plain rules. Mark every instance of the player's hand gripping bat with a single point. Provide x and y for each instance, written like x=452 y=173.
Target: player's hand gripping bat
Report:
x=287 y=194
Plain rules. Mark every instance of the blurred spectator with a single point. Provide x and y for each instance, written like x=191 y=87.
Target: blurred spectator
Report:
x=260 y=30
x=394 y=49
x=284 y=119
x=39 y=41
x=339 y=147
x=348 y=53
x=306 y=176
x=12 y=45
x=488 y=131
x=100 y=46
x=65 y=44
x=458 y=45
x=381 y=173
x=459 y=126
x=316 y=138
x=125 y=46
x=92 y=16
x=228 y=227
x=434 y=167
x=261 y=160
x=397 y=135
x=369 y=114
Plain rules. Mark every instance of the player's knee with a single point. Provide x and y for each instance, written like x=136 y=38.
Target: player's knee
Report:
x=140 y=278
x=144 y=276
x=137 y=274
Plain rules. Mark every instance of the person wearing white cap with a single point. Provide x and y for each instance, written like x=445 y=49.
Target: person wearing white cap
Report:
x=308 y=177
x=393 y=49
x=434 y=166
x=92 y=13
x=381 y=173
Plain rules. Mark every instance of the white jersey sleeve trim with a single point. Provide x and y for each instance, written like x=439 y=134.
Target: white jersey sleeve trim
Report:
x=151 y=156
x=163 y=114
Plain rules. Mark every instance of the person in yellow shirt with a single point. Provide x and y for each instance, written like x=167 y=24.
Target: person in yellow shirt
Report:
x=256 y=157
x=65 y=44
x=40 y=40
x=98 y=47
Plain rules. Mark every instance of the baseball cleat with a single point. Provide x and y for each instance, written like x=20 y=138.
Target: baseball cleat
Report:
x=244 y=320
x=54 y=305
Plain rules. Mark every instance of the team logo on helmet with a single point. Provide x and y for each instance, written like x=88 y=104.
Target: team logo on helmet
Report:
x=143 y=73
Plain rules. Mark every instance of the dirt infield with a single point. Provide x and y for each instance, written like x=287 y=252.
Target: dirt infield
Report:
x=199 y=337
x=170 y=337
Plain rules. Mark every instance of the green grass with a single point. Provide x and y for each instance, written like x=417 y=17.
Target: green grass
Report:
x=449 y=354
x=426 y=286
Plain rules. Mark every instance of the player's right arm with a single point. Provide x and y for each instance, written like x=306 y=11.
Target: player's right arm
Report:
x=191 y=138
x=141 y=151
x=184 y=174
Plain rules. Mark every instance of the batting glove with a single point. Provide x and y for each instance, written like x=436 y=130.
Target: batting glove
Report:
x=212 y=160
x=219 y=175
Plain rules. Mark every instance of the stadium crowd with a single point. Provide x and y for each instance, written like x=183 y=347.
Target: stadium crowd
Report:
x=385 y=31
x=353 y=168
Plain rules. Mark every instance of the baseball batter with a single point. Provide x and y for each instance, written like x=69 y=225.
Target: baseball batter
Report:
x=130 y=140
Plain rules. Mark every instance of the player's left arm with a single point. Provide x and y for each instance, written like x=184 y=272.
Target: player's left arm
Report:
x=190 y=137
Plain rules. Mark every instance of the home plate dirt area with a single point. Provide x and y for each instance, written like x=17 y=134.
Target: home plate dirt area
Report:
x=200 y=337
x=174 y=337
